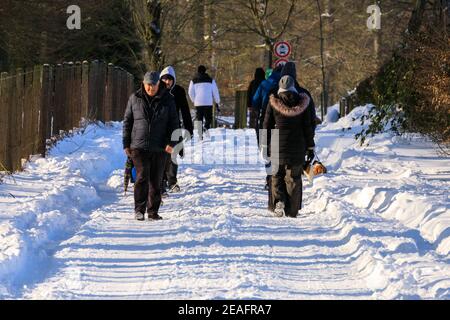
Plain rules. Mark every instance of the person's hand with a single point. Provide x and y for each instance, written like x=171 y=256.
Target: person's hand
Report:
x=127 y=152
x=169 y=149
x=310 y=155
x=218 y=108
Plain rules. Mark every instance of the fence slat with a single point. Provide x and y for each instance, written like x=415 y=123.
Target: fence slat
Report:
x=36 y=106
x=101 y=87
x=108 y=107
x=58 y=107
x=5 y=103
x=27 y=142
x=17 y=150
x=115 y=96
x=92 y=95
x=44 y=109
x=67 y=116
x=85 y=90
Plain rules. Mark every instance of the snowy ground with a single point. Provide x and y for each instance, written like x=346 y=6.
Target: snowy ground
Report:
x=376 y=226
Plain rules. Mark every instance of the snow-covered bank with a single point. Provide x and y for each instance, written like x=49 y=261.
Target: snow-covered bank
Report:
x=397 y=178
x=376 y=226
x=52 y=198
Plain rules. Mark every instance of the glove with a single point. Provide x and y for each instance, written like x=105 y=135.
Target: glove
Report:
x=265 y=153
x=310 y=155
x=218 y=108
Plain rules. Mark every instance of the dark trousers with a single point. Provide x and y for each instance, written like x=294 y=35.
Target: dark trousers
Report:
x=149 y=174
x=204 y=112
x=287 y=188
x=170 y=172
x=260 y=123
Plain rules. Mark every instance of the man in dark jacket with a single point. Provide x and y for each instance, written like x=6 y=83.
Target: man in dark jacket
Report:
x=287 y=112
x=259 y=77
x=169 y=78
x=150 y=118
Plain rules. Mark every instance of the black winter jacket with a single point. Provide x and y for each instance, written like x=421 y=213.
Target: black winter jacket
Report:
x=288 y=113
x=311 y=111
x=149 y=121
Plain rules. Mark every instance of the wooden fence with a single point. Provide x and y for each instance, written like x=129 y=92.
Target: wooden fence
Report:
x=41 y=102
x=347 y=104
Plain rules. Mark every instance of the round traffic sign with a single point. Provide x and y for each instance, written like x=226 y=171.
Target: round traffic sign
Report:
x=282 y=49
x=280 y=62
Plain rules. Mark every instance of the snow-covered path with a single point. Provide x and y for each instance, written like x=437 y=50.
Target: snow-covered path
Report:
x=376 y=226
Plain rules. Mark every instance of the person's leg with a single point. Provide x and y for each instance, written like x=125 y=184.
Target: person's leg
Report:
x=208 y=117
x=200 y=114
x=165 y=175
x=294 y=190
x=157 y=166
x=278 y=187
x=172 y=170
x=141 y=163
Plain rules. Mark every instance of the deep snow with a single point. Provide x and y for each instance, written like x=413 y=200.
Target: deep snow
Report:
x=376 y=226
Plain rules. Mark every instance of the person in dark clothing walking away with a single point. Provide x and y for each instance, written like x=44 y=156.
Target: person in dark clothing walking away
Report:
x=149 y=120
x=289 y=69
x=203 y=92
x=287 y=112
x=259 y=77
x=168 y=77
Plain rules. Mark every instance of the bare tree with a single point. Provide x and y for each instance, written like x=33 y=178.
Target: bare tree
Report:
x=147 y=19
x=263 y=19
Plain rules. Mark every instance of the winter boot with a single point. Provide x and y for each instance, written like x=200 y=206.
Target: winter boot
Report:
x=139 y=216
x=174 y=188
x=154 y=216
x=279 y=209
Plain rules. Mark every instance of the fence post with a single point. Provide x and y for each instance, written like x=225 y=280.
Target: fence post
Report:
x=243 y=109
x=240 y=110
x=342 y=107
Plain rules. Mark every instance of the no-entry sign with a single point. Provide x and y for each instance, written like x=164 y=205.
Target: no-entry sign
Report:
x=280 y=62
x=282 y=49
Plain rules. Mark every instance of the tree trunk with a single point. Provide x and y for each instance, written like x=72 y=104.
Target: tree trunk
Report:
x=417 y=17
x=209 y=22
x=153 y=44
x=199 y=27
x=324 y=96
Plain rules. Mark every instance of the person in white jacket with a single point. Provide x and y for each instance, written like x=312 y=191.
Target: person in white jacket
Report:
x=203 y=92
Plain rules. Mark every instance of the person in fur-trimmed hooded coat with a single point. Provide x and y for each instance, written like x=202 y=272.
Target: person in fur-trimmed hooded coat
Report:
x=287 y=112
